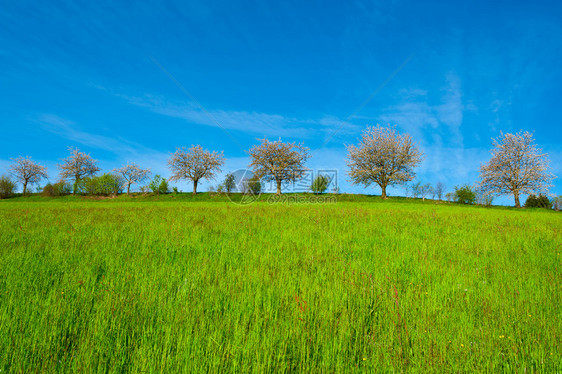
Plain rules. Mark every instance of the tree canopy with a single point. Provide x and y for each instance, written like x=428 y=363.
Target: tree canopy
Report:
x=26 y=171
x=77 y=166
x=383 y=156
x=132 y=174
x=195 y=164
x=278 y=161
x=518 y=166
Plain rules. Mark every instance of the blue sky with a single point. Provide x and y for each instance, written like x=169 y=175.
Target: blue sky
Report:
x=87 y=75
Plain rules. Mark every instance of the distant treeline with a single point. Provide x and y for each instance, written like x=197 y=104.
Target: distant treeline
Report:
x=382 y=157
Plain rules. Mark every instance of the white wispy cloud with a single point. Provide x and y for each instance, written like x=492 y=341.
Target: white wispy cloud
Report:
x=123 y=149
x=453 y=164
x=250 y=122
x=450 y=112
x=432 y=123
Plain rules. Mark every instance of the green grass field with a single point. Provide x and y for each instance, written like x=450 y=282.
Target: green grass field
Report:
x=183 y=284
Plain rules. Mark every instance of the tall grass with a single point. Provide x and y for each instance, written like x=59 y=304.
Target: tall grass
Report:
x=210 y=286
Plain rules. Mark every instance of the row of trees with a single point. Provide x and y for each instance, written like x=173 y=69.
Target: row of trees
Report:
x=464 y=194
x=81 y=169
x=383 y=157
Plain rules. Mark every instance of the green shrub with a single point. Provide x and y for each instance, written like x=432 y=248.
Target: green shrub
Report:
x=538 y=202
x=154 y=183
x=320 y=184
x=62 y=188
x=163 y=187
x=106 y=184
x=87 y=186
x=465 y=195
x=48 y=190
x=111 y=184
x=158 y=185
x=7 y=187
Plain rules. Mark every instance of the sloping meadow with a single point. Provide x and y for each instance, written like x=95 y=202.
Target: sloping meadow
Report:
x=347 y=287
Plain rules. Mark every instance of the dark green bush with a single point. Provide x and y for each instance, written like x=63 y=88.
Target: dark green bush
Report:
x=48 y=190
x=163 y=187
x=465 y=195
x=7 y=187
x=538 y=202
x=254 y=186
x=320 y=184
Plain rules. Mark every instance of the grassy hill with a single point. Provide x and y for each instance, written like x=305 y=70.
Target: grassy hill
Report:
x=222 y=197
x=177 y=283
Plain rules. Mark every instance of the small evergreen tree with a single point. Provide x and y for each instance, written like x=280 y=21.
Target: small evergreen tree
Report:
x=320 y=184
x=229 y=183
x=163 y=186
x=538 y=202
x=254 y=186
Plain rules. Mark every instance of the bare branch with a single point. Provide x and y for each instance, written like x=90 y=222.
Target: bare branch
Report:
x=26 y=171
x=439 y=190
x=132 y=174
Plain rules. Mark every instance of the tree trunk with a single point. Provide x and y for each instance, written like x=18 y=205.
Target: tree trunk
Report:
x=195 y=187
x=517 y=204
x=279 y=187
x=128 y=188
x=383 y=188
x=24 y=187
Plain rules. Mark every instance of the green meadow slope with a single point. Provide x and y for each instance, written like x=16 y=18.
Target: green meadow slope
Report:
x=203 y=285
